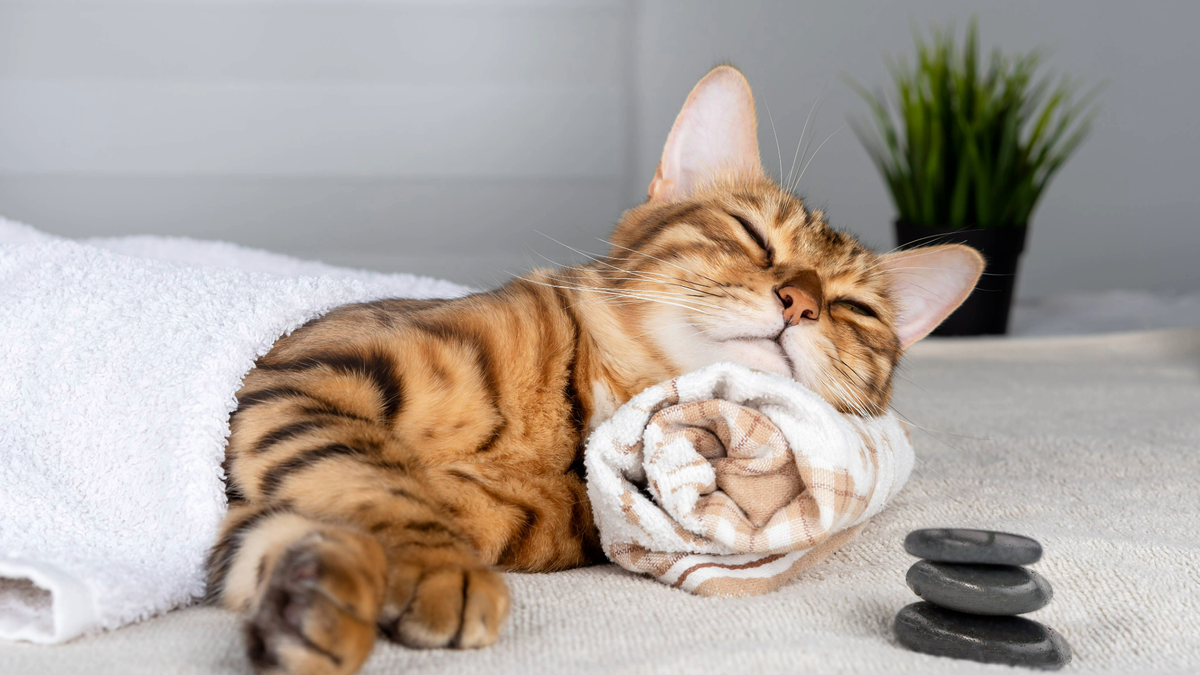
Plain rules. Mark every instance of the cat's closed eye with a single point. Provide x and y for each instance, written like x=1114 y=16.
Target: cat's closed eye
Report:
x=756 y=235
x=856 y=307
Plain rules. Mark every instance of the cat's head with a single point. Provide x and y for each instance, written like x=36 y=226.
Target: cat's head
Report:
x=722 y=264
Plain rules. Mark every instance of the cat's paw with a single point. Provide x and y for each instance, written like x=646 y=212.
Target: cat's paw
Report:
x=443 y=598
x=317 y=615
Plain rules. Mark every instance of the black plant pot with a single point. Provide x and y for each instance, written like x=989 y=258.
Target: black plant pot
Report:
x=986 y=310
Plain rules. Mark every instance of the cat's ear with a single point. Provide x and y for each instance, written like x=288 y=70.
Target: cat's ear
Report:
x=928 y=284
x=715 y=133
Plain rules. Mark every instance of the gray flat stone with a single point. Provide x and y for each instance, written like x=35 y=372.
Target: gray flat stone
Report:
x=954 y=545
x=929 y=629
x=997 y=590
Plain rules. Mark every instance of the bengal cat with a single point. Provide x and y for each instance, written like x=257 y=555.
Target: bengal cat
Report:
x=388 y=460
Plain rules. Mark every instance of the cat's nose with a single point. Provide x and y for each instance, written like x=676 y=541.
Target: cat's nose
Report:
x=798 y=305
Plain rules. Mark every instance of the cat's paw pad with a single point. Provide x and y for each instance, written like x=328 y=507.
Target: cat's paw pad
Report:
x=317 y=614
x=445 y=604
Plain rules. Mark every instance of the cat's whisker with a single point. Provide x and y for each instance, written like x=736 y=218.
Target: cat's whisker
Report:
x=909 y=270
x=689 y=284
x=840 y=390
x=792 y=184
x=577 y=278
x=605 y=300
x=932 y=431
x=908 y=380
x=928 y=466
x=909 y=421
x=862 y=405
x=605 y=291
x=814 y=155
x=590 y=256
x=666 y=276
x=924 y=239
x=658 y=294
x=598 y=260
x=852 y=370
x=919 y=276
x=843 y=397
x=635 y=296
x=771 y=118
x=851 y=398
x=928 y=432
x=685 y=286
x=550 y=260
x=631 y=300
x=905 y=417
x=837 y=356
x=648 y=274
x=664 y=283
x=660 y=260
x=914 y=253
x=859 y=394
x=895 y=373
x=593 y=257
x=493 y=271
x=936 y=295
x=796 y=156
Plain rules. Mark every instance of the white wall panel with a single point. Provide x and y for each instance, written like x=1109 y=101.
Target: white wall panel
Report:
x=431 y=43
x=438 y=137
x=296 y=129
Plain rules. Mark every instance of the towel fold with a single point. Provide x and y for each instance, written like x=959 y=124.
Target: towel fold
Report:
x=728 y=481
x=117 y=377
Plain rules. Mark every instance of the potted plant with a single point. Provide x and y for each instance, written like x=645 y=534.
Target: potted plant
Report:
x=967 y=151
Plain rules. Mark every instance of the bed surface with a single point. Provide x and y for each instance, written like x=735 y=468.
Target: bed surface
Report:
x=1090 y=444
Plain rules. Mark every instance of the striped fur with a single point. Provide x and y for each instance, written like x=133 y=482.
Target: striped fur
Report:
x=387 y=459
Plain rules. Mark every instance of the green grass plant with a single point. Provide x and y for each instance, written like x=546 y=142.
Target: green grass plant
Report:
x=965 y=145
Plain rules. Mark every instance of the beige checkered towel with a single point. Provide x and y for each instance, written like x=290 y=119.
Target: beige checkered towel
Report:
x=729 y=481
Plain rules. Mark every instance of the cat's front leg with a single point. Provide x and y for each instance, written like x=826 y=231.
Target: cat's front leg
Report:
x=440 y=595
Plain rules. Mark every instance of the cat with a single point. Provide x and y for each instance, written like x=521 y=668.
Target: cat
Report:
x=386 y=461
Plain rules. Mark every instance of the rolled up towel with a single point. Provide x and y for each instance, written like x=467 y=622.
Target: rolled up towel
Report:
x=117 y=377
x=728 y=481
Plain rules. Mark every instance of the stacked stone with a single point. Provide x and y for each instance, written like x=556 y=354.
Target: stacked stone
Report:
x=974 y=583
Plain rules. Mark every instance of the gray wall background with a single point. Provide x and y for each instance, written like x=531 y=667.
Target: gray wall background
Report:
x=447 y=137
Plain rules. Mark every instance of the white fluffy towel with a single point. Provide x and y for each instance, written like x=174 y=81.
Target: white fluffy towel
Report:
x=728 y=481
x=117 y=377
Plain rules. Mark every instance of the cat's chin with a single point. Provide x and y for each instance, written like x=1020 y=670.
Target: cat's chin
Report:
x=760 y=353
x=805 y=351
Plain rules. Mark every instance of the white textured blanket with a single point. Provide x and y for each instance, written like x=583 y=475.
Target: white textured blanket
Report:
x=730 y=482
x=117 y=377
